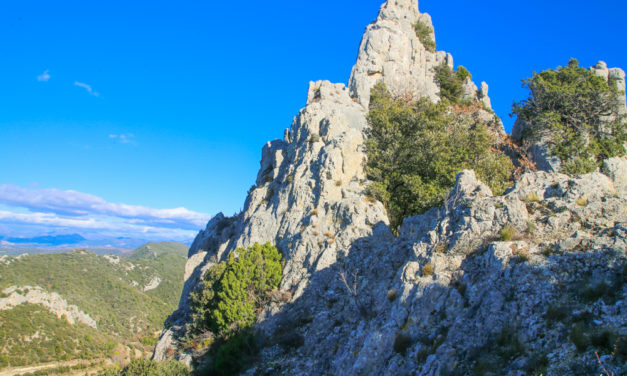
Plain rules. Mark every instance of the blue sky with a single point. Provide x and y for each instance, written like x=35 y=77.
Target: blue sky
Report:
x=165 y=105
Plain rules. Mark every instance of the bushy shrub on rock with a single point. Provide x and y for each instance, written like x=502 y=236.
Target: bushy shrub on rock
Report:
x=416 y=149
x=577 y=113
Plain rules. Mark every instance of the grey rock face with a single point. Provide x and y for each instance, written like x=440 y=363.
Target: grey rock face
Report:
x=309 y=200
x=391 y=52
x=437 y=298
x=484 y=98
x=434 y=299
x=616 y=169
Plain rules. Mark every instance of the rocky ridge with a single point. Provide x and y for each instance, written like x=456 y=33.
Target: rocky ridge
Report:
x=452 y=287
x=52 y=301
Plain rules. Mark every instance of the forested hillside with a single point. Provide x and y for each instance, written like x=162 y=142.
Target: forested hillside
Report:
x=78 y=305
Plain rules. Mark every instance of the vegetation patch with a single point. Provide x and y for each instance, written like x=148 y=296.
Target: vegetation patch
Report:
x=427 y=269
x=145 y=367
x=576 y=111
x=508 y=233
x=416 y=149
x=402 y=342
x=227 y=301
x=424 y=33
x=110 y=292
x=451 y=82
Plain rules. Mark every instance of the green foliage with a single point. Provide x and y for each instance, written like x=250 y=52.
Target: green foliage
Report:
x=451 y=82
x=416 y=149
x=508 y=233
x=231 y=292
x=233 y=355
x=504 y=347
x=227 y=300
x=428 y=269
x=145 y=367
x=112 y=294
x=424 y=33
x=577 y=112
x=149 y=341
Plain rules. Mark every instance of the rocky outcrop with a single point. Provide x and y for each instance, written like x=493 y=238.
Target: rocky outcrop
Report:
x=391 y=52
x=51 y=301
x=309 y=199
x=153 y=284
x=460 y=286
x=451 y=293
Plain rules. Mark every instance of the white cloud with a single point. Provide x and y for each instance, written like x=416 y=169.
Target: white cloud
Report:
x=72 y=204
x=124 y=138
x=100 y=225
x=44 y=77
x=87 y=87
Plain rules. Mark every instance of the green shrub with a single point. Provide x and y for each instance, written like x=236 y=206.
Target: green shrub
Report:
x=577 y=112
x=592 y=293
x=427 y=269
x=603 y=340
x=231 y=292
x=532 y=197
x=392 y=295
x=233 y=355
x=424 y=32
x=145 y=367
x=451 y=82
x=226 y=303
x=578 y=337
x=531 y=227
x=416 y=149
x=556 y=313
x=508 y=233
x=582 y=201
x=149 y=341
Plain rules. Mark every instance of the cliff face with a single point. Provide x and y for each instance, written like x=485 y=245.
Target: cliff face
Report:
x=450 y=289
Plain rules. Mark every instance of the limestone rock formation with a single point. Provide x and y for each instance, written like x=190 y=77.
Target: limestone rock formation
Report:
x=309 y=199
x=391 y=52
x=450 y=294
x=51 y=301
x=474 y=283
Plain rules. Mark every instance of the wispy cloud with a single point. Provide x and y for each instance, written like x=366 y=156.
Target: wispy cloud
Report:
x=87 y=87
x=52 y=223
x=77 y=206
x=124 y=138
x=44 y=77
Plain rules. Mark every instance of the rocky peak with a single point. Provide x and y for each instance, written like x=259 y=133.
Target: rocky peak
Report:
x=309 y=200
x=391 y=52
x=433 y=298
x=400 y=10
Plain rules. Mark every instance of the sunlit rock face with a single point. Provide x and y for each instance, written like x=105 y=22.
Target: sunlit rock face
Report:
x=456 y=280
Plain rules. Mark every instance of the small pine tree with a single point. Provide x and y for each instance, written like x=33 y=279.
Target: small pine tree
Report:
x=231 y=292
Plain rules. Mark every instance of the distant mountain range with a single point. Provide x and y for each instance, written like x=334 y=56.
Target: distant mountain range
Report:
x=11 y=245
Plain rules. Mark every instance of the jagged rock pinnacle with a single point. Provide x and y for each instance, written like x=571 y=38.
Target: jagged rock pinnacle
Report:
x=391 y=52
